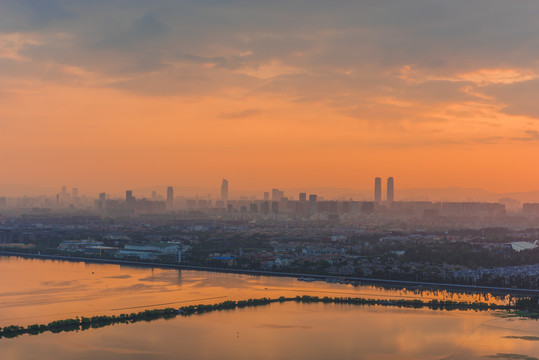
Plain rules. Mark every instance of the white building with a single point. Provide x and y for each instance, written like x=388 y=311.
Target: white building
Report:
x=150 y=251
x=524 y=245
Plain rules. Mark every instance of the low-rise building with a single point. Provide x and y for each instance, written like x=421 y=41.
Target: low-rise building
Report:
x=524 y=245
x=150 y=251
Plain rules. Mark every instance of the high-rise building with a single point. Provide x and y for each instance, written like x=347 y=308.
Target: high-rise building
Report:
x=63 y=196
x=129 y=196
x=266 y=195
x=275 y=207
x=276 y=195
x=301 y=206
x=390 y=190
x=377 y=190
x=265 y=207
x=101 y=203
x=170 y=198
x=224 y=190
x=75 y=193
x=313 y=210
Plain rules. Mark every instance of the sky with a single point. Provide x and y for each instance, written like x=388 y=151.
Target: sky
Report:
x=108 y=95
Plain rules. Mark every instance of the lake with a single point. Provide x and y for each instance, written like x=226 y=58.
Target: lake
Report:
x=39 y=291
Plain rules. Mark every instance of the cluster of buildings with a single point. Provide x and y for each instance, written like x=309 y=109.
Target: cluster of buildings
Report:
x=303 y=247
x=383 y=256
x=275 y=205
x=142 y=251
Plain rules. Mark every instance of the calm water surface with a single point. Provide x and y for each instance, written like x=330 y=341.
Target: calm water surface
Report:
x=38 y=291
x=295 y=331
x=34 y=290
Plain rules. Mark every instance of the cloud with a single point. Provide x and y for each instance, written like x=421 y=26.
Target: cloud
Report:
x=531 y=135
x=511 y=357
x=189 y=80
x=135 y=35
x=11 y=44
x=241 y=114
x=497 y=76
x=347 y=55
x=31 y=15
x=518 y=98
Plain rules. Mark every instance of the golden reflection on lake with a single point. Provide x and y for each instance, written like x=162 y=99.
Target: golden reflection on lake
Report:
x=295 y=331
x=39 y=291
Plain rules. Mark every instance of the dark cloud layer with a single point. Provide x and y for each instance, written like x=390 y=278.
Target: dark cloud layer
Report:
x=347 y=54
x=519 y=98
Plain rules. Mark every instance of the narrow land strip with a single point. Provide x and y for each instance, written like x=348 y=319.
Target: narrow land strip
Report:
x=525 y=307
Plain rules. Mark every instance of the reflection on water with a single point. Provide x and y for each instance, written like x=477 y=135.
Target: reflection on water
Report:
x=295 y=331
x=40 y=291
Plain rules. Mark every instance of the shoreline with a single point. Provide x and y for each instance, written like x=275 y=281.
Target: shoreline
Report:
x=361 y=281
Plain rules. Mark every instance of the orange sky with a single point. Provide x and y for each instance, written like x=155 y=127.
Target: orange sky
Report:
x=315 y=99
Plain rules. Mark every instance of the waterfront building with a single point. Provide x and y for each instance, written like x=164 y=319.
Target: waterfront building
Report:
x=150 y=251
x=518 y=246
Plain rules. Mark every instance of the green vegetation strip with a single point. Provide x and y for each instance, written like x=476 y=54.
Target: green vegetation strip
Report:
x=523 y=306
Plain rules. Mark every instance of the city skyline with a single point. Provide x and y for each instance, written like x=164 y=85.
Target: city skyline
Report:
x=407 y=194
x=167 y=195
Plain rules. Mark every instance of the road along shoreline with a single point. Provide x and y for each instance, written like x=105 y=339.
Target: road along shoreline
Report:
x=359 y=280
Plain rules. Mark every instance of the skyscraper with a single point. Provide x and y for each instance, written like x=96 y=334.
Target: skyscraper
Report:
x=275 y=207
x=224 y=190
x=276 y=194
x=102 y=201
x=64 y=196
x=170 y=198
x=313 y=210
x=129 y=196
x=390 y=190
x=377 y=190
x=301 y=208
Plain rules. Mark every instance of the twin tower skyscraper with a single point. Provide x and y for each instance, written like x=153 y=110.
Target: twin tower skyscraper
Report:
x=378 y=190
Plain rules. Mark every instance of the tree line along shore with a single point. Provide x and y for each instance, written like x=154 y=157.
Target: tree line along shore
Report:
x=343 y=279
x=528 y=307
